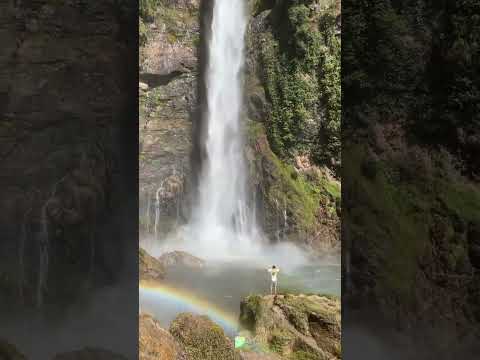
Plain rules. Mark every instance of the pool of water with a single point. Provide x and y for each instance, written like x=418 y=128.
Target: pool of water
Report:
x=218 y=289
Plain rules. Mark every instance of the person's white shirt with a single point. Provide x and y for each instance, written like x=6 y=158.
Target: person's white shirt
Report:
x=274 y=272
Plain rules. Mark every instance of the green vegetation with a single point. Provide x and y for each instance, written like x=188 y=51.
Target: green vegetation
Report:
x=202 y=338
x=395 y=219
x=302 y=79
x=251 y=311
x=279 y=339
x=176 y=22
x=147 y=9
x=302 y=194
x=303 y=355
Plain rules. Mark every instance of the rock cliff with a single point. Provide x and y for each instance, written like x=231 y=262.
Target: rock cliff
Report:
x=295 y=326
x=292 y=98
x=167 y=90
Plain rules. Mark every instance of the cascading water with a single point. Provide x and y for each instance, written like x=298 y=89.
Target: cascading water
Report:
x=222 y=224
x=222 y=217
x=148 y=216
x=44 y=246
x=157 y=211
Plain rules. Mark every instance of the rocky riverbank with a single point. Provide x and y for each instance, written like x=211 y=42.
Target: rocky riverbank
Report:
x=293 y=327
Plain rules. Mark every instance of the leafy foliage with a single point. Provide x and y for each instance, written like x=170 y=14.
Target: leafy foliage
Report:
x=302 y=77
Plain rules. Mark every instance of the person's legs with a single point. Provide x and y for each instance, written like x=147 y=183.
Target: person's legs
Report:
x=271 y=288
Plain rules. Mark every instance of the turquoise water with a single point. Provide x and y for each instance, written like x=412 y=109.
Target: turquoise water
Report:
x=224 y=285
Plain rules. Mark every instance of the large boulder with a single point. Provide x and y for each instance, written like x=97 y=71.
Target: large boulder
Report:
x=181 y=258
x=156 y=343
x=202 y=338
x=295 y=325
x=150 y=268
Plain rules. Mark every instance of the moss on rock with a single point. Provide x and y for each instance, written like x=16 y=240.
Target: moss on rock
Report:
x=303 y=197
x=295 y=326
x=202 y=338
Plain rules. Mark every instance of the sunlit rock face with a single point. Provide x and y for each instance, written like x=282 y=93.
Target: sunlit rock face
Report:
x=150 y=268
x=168 y=75
x=63 y=150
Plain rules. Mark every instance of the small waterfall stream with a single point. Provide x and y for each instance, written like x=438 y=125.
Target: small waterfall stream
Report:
x=44 y=256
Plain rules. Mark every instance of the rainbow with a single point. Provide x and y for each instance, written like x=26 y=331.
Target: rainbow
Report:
x=164 y=292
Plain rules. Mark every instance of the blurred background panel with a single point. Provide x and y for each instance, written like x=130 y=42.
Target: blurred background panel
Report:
x=68 y=176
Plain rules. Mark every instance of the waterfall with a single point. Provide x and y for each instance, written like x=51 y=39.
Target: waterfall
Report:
x=21 y=253
x=44 y=257
x=149 y=205
x=157 y=212
x=223 y=216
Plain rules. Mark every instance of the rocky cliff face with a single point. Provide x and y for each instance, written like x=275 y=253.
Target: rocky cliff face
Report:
x=65 y=102
x=168 y=75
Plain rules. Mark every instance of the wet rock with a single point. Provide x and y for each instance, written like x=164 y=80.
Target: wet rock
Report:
x=150 y=268
x=168 y=65
x=295 y=325
x=181 y=258
x=202 y=338
x=156 y=343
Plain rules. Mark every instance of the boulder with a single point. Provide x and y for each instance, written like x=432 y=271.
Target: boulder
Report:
x=202 y=338
x=295 y=325
x=157 y=343
x=150 y=268
x=180 y=258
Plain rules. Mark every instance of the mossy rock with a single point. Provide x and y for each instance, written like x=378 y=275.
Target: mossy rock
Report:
x=306 y=198
x=295 y=326
x=202 y=338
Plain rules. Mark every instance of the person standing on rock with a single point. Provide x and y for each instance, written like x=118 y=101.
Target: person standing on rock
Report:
x=273 y=286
